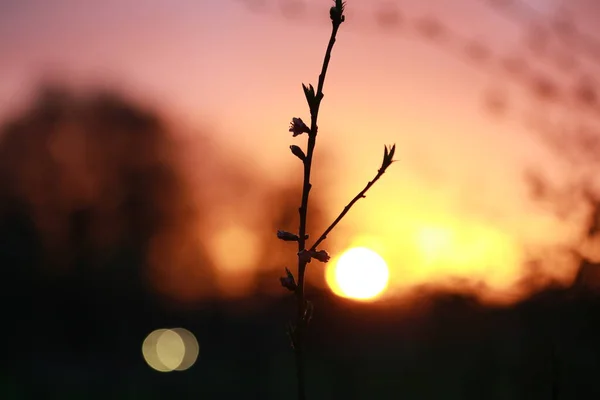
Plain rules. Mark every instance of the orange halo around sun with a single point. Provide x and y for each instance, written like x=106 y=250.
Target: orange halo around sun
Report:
x=359 y=273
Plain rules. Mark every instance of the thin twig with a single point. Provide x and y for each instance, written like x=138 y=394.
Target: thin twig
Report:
x=298 y=127
x=359 y=196
x=303 y=210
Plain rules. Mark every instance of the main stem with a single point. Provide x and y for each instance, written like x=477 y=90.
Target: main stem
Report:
x=303 y=210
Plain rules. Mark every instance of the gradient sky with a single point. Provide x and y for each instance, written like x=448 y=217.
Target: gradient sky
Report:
x=457 y=189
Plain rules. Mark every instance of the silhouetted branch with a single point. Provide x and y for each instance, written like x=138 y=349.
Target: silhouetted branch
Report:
x=298 y=127
x=387 y=161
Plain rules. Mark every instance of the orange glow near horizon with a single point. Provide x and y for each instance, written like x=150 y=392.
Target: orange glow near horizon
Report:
x=470 y=251
x=234 y=250
x=457 y=255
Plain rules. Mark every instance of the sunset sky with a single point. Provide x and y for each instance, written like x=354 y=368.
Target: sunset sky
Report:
x=454 y=205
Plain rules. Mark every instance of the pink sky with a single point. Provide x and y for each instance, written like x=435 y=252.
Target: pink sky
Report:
x=218 y=63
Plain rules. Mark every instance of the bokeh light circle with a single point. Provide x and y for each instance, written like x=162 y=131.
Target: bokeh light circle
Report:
x=167 y=350
x=192 y=348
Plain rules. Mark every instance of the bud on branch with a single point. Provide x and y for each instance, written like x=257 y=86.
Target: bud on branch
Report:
x=298 y=127
x=388 y=157
x=337 y=12
x=288 y=281
x=287 y=236
x=297 y=151
x=312 y=98
x=320 y=255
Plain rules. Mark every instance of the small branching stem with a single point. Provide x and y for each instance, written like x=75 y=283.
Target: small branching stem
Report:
x=303 y=210
x=298 y=127
x=359 y=196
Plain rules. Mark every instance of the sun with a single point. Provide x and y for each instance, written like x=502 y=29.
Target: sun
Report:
x=359 y=273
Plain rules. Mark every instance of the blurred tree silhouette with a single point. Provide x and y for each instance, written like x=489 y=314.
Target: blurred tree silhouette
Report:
x=99 y=224
x=89 y=187
x=97 y=177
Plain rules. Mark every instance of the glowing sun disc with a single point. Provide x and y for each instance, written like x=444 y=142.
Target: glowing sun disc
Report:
x=359 y=273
